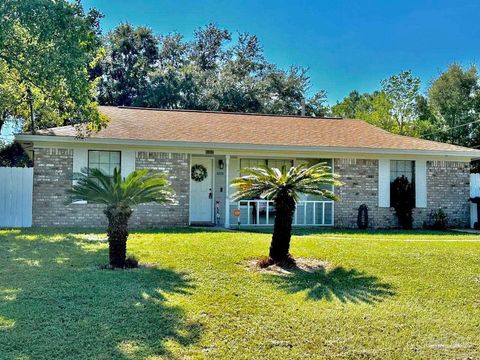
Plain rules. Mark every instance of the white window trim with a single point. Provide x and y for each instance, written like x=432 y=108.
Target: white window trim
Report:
x=384 y=183
x=80 y=161
x=127 y=161
x=420 y=183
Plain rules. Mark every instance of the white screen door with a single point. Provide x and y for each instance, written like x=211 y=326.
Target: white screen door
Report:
x=201 y=192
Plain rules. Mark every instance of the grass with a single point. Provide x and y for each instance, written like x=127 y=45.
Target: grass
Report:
x=388 y=294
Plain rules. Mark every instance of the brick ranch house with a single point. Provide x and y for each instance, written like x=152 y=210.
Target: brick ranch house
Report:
x=367 y=159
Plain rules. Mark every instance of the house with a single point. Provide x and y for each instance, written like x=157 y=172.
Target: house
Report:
x=217 y=145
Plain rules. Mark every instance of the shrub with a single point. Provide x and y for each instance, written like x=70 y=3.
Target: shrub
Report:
x=403 y=201
x=13 y=155
x=438 y=220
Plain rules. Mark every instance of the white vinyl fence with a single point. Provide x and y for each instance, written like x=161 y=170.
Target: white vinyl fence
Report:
x=16 y=189
x=474 y=192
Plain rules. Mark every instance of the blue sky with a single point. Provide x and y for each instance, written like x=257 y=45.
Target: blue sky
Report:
x=346 y=44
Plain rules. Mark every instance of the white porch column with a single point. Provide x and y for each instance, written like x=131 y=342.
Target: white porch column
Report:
x=227 y=191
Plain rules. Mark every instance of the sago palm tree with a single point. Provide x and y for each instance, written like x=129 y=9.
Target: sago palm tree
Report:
x=284 y=188
x=119 y=195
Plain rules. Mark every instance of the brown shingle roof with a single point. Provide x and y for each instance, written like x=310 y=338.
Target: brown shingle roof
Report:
x=235 y=128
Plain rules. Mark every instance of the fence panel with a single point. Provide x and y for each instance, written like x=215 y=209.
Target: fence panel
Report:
x=16 y=190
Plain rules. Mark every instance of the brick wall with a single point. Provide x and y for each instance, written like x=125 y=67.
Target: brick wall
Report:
x=178 y=169
x=448 y=187
x=52 y=176
x=448 y=184
x=360 y=179
x=53 y=171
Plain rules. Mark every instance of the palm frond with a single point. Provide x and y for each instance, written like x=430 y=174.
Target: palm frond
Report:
x=141 y=186
x=267 y=183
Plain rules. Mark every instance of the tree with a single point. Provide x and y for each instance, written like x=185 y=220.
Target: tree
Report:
x=402 y=91
x=173 y=51
x=284 y=188
x=284 y=90
x=207 y=48
x=47 y=48
x=12 y=96
x=397 y=108
x=247 y=56
x=317 y=104
x=427 y=125
x=132 y=55
x=455 y=100
x=236 y=85
x=119 y=197
x=349 y=106
x=374 y=108
x=211 y=72
x=13 y=155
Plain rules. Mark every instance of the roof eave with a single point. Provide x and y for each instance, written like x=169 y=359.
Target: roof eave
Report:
x=238 y=146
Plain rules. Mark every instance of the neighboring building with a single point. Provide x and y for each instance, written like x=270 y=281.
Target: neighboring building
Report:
x=367 y=159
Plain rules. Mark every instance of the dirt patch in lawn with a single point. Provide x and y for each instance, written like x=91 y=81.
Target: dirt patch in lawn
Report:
x=304 y=265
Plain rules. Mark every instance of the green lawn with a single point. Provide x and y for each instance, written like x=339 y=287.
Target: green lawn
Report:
x=385 y=295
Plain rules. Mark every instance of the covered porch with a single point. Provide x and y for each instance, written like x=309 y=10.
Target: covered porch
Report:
x=311 y=210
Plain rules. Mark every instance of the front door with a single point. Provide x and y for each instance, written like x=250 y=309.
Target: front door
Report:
x=201 y=190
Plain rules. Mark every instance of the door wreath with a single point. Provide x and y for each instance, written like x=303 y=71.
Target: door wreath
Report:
x=199 y=172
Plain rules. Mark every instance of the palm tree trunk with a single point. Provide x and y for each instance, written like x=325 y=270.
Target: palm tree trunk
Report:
x=117 y=234
x=282 y=228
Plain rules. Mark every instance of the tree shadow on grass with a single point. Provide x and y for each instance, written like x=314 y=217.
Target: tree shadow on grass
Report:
x=337 y=283
x=55 y=302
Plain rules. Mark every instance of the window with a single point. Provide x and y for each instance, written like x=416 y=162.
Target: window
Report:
x=245 y=163
x=272 y=163
x=280 y=164
x=399 y=168
x=311 y=162
x=277 y=163
x=402 y=167
x=105 y=161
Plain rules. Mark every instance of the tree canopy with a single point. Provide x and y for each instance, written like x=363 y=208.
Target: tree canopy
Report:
x=214 y=71
x=131 y=56
x=402 y=91
x=449 y=111
x=455 y=102
x=52 y=56
x=46 y=50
